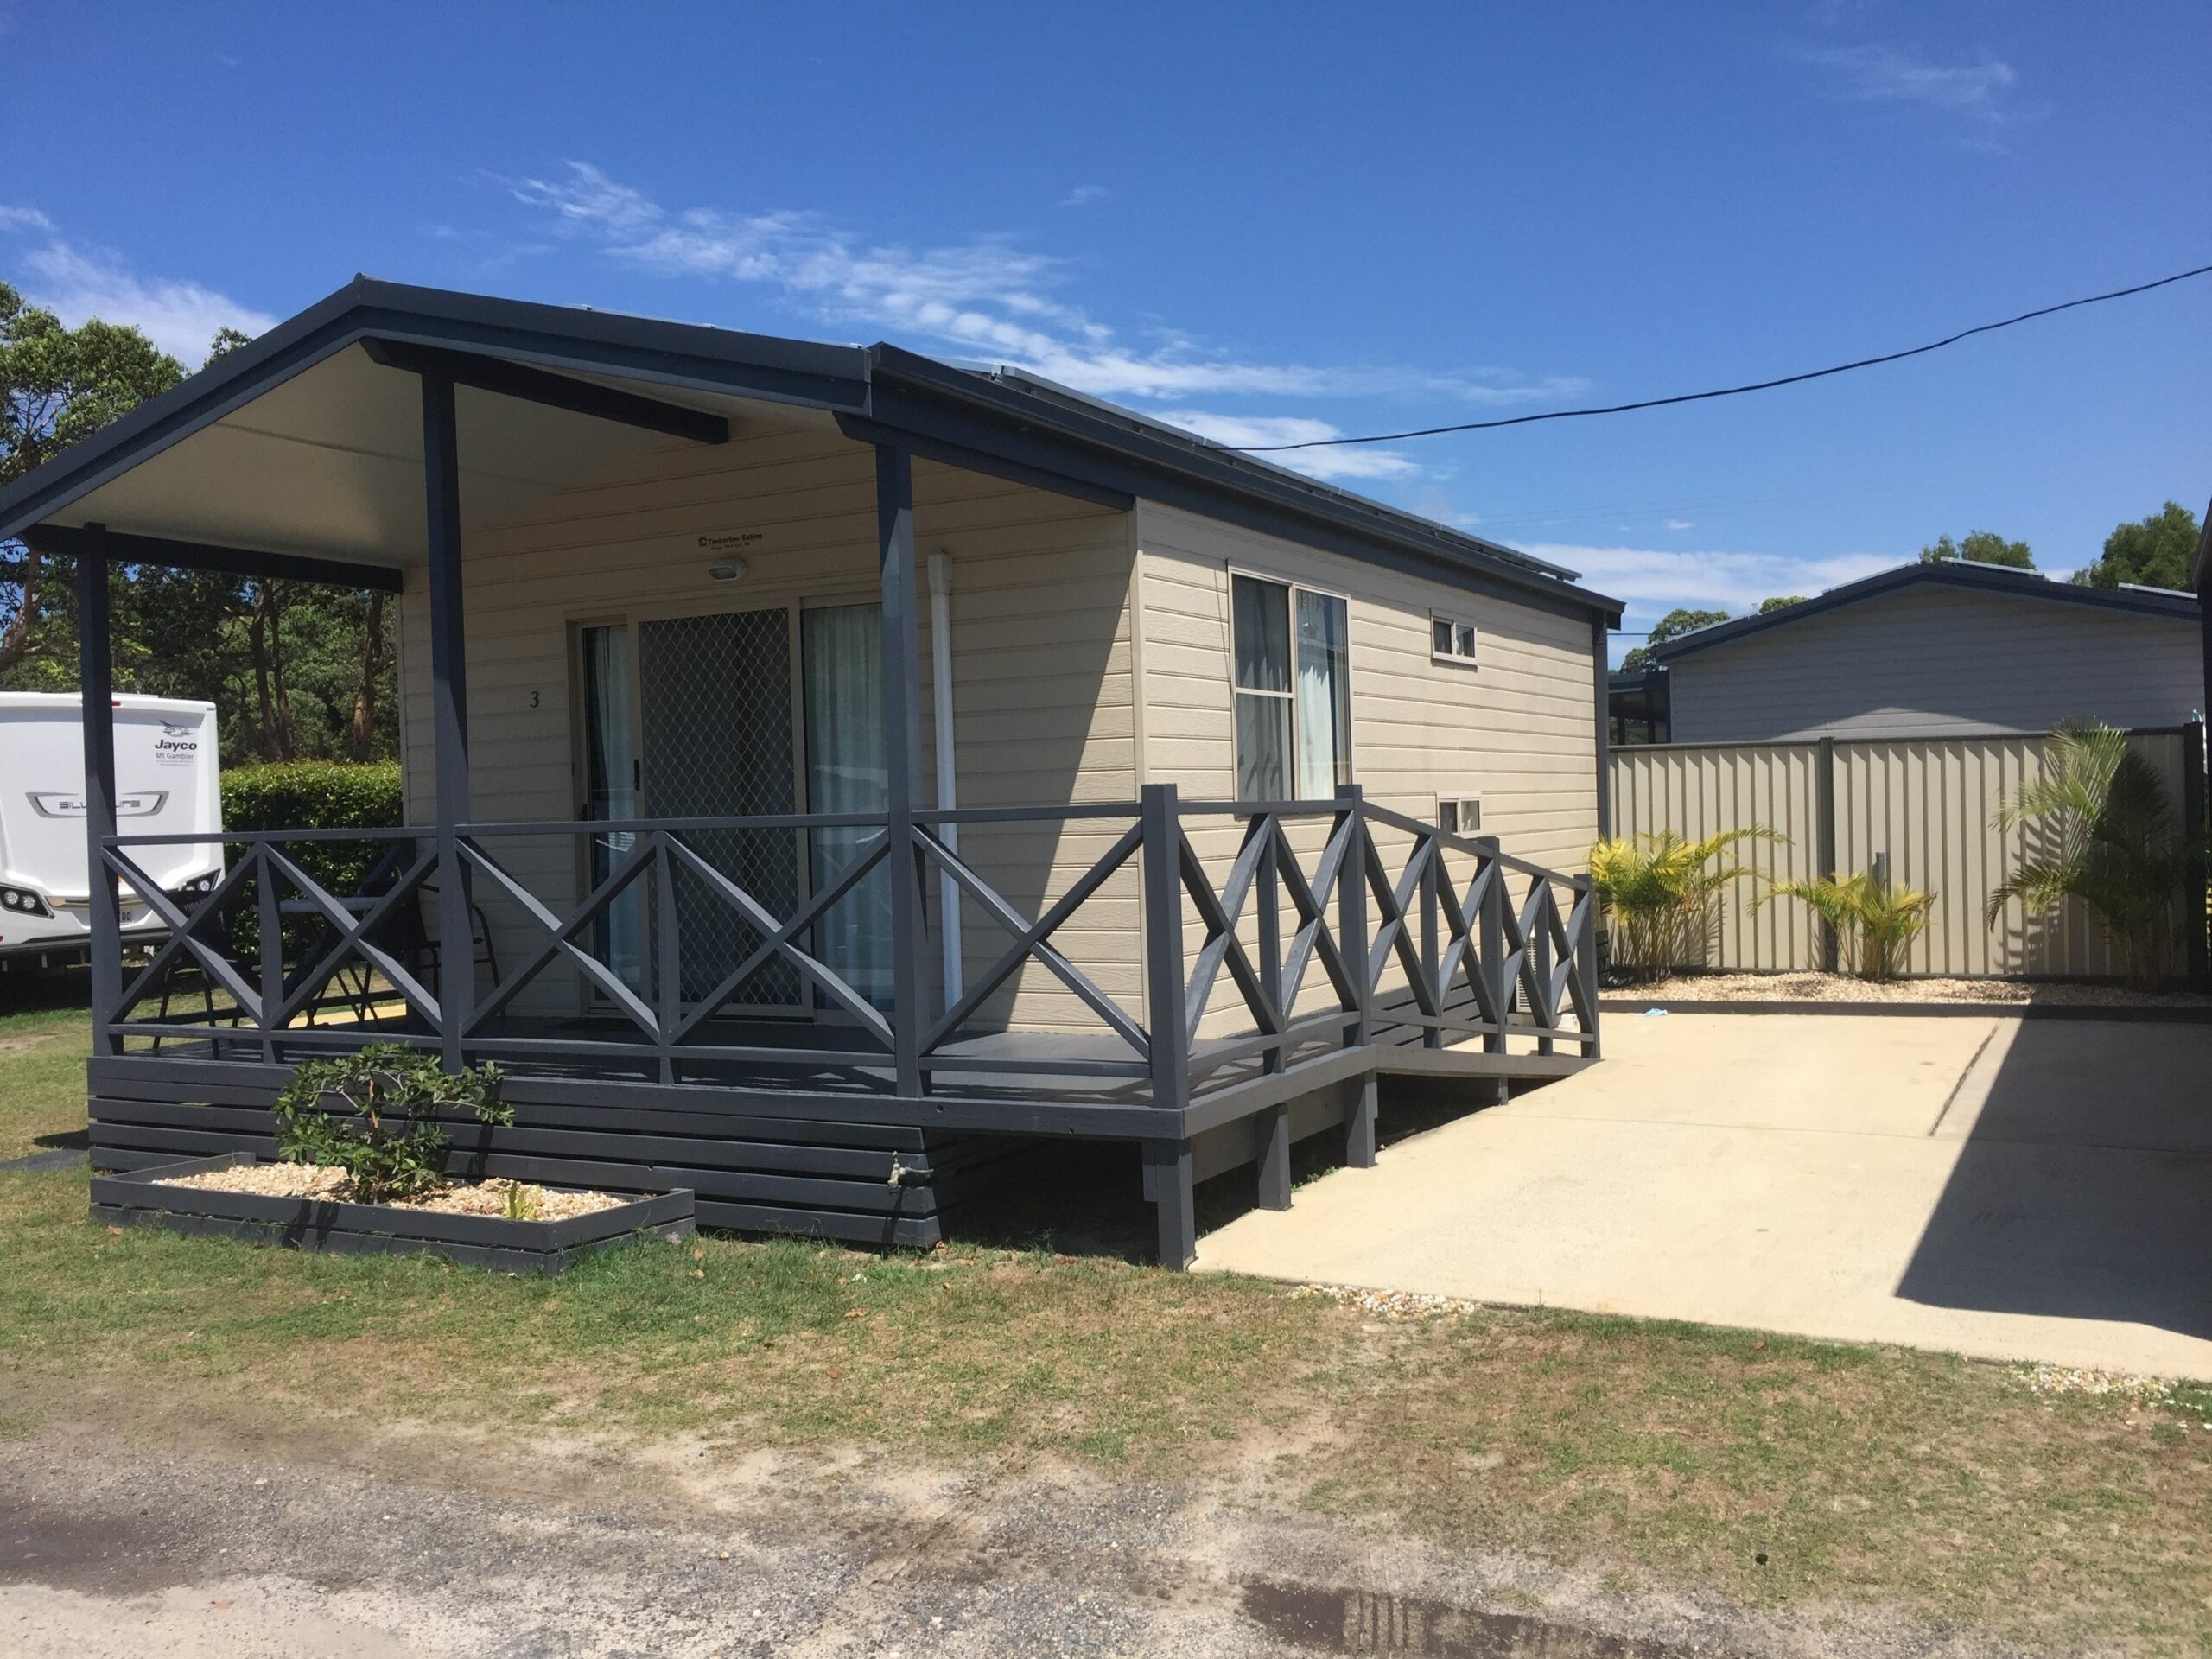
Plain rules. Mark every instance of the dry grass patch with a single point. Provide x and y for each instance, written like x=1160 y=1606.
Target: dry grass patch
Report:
x=1664 y=1455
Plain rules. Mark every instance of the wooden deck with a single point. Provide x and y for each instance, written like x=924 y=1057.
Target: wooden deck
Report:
x=861 y=1122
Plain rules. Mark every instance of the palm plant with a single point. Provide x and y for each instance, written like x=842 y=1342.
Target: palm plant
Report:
x=2108 y=839
x=1874 y=923
x=1661 y=895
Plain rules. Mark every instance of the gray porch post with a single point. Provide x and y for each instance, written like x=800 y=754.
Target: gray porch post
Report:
x=96 y=675
x=1599 y=648
x=1360 y=1093
x=1168 y=1174
x=902 y=746
x=449 y=712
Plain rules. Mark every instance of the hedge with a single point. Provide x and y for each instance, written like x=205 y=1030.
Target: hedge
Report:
x=318 y=795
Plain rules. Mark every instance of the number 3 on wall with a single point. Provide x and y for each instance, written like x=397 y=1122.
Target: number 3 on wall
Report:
x=533 y=699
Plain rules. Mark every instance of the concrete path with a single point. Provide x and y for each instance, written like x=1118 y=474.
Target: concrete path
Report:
x=2003 y=1188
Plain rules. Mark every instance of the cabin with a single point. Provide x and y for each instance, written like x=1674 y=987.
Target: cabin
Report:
x=1954 y=649
x=829 y=771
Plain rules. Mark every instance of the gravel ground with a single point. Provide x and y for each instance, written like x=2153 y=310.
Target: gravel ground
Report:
x=283 y=1180
x=191 y=1540
x=1843 y=987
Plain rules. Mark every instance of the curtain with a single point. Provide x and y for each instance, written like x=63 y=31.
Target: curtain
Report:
x=611 y=773
x=841 y=657
x=1323 y=697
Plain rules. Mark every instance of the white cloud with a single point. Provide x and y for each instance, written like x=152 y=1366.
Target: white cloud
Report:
x=1889 y=74
x=181 y=318
x=988 y=296
x=1083 y=195
x=1678 y=524
x=23 y=219
x=1241 y=432
x=1654 y=580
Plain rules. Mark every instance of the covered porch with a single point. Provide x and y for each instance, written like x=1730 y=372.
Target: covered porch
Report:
x=835 y=1004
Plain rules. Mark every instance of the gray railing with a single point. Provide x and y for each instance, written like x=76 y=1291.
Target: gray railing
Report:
x=1273 y=932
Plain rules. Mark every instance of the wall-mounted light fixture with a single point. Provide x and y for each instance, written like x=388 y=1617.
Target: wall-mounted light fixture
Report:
x=726 y=569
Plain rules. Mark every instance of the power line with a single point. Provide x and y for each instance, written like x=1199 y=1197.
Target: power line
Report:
x=1727 y=391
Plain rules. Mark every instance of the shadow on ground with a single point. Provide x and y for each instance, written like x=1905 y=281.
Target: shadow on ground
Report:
x=1087 y=1199
x=26 y=991
x=2084 y=1187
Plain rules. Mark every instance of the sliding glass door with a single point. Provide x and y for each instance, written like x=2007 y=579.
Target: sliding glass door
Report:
x=841 y=649
x=738 y=714
x=610 y=768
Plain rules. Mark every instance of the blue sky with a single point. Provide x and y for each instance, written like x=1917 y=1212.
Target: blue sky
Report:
x=1259 y=221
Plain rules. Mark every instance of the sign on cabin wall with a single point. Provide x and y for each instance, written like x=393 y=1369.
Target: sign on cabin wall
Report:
x=733 y=541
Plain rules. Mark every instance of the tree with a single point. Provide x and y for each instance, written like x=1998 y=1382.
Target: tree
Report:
x=1779 y=602
x=1677 y=622
x=1983 y=547
x=57 y=385
x=2154 y=552
x=295 y=671
x=2106 y=836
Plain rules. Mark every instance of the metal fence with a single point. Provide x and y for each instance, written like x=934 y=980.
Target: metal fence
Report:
x=1925 y=806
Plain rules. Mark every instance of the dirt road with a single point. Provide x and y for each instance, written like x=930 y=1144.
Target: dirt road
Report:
x=246 y=1539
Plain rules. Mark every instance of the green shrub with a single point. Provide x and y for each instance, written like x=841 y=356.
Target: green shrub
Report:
x=386 y=1144
x=318 y=795
x=1661 y=894
x=1875 y=924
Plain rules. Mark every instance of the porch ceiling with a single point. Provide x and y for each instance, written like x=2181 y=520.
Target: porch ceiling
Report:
x=329 y=462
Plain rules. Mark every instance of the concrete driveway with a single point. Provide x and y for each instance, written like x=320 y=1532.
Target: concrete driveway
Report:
x=2004 y=1188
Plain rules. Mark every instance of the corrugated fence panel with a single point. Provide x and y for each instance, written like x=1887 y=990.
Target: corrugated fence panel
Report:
x=1926 y=804
x=1699 y=791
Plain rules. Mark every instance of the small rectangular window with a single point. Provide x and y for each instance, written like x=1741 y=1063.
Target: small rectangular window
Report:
x=1459 y=814
x=1451 y=640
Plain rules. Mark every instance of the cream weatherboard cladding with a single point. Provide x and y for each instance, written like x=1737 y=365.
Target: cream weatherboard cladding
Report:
x=1060 y=609
x=1042 y=683
x=1518 y=729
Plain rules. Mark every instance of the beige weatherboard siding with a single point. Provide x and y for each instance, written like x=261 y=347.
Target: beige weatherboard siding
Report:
x=1517 y=728
x=1060 y=609
x=1043 y=688
x=1930 y=661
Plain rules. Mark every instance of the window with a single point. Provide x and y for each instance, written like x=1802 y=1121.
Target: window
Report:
x=1293 y=679
x=1451 y=640
x=1459 y=814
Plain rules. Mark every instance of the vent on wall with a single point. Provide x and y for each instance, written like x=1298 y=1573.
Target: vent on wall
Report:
x=1459 y=814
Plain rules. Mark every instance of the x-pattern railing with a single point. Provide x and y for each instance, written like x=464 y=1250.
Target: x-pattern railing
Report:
x=1416 y=935
x=343 y=932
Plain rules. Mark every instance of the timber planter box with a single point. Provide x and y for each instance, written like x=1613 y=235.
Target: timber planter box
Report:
x=141 y=1197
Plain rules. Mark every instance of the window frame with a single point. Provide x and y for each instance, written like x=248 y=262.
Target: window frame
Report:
x=1471 y=658
x=1459 y=801
x=1292 y=587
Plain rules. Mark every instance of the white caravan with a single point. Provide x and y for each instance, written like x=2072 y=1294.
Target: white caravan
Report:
x=167 y=782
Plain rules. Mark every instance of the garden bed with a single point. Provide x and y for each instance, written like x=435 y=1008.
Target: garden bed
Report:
x=1845 y=990
x=235 y=1197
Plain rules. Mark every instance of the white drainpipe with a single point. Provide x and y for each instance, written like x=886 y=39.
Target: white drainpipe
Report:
x=947 y=793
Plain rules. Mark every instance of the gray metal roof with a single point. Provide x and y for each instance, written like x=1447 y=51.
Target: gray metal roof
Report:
x=1007 y=417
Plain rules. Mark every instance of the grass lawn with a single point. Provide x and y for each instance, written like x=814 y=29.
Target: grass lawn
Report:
x=1665 y=1456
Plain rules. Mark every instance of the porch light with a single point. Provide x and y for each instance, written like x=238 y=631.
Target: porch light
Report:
x=726 y=569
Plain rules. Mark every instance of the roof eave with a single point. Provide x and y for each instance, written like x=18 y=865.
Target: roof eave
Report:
x=1021 y=412
x=682 y=355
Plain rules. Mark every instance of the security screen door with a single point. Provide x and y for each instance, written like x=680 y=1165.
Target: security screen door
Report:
x=714 y=696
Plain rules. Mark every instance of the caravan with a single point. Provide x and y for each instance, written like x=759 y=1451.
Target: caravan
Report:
x=167 y=783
